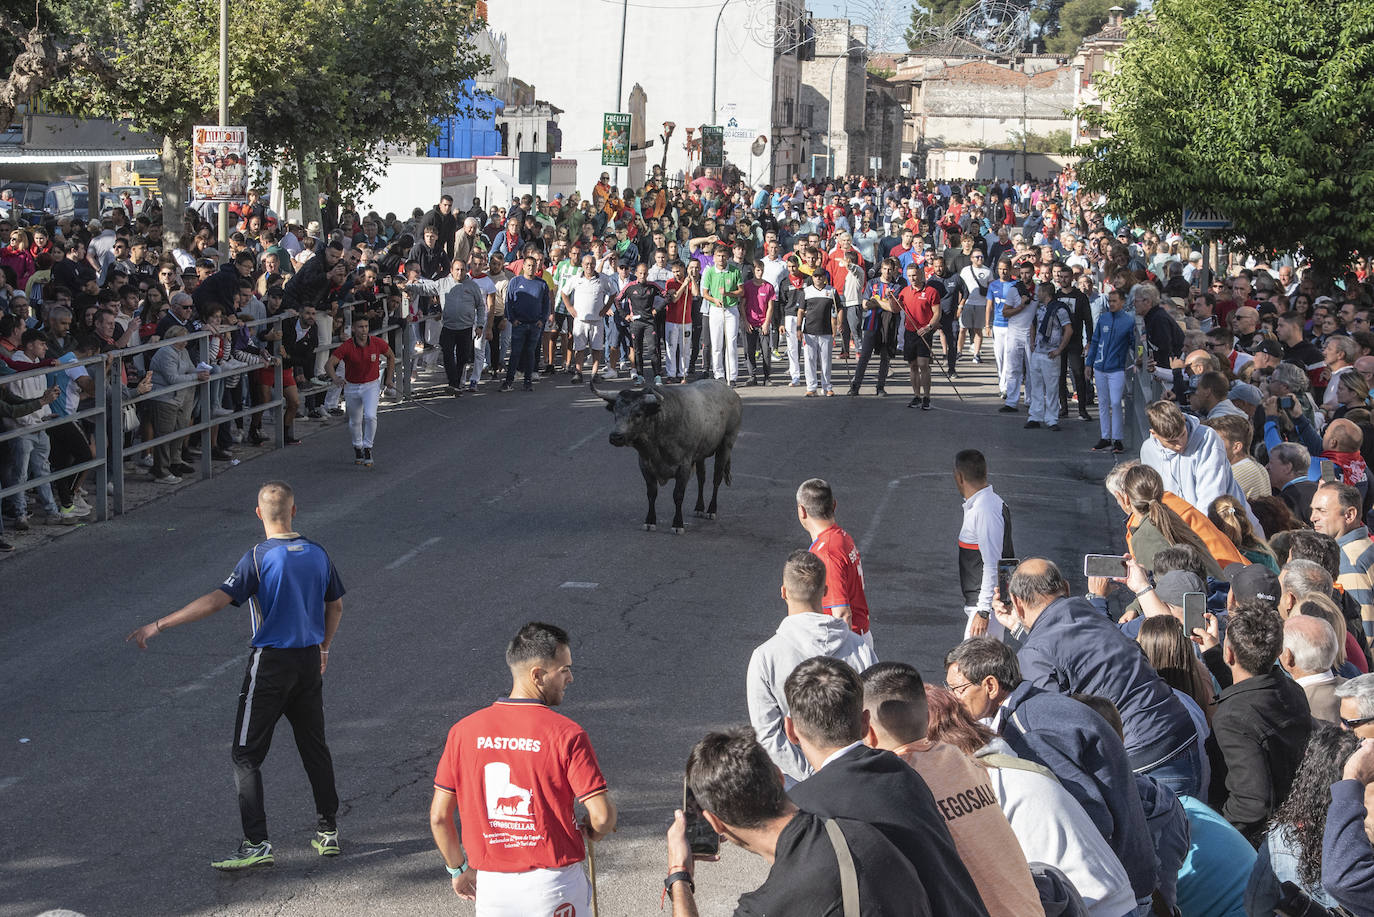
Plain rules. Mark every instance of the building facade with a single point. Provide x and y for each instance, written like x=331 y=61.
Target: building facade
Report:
x=1094 y=56
x=833 y=86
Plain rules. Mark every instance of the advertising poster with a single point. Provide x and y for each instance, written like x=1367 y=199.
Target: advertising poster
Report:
x=712 y=146
x=615 y=139
x=219 y=163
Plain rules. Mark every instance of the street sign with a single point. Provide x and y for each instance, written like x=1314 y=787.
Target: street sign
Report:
x=534 y=168
x=1204 y=219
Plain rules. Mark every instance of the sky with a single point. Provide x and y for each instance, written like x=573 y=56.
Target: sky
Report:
x=862 y=12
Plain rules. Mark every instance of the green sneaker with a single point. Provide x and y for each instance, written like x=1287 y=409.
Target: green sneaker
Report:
x=326 y=843
x=247 y=856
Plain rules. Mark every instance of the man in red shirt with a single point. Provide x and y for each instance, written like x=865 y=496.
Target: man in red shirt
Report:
x=513 y=771
x=920 y=317
x=361 y=356
x=844 y=572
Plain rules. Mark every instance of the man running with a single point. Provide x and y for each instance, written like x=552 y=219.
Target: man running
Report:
x=513 y=771
x=295 y=601
x=361 y=356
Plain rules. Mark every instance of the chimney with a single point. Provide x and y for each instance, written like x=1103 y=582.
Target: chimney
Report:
x=1115 y=15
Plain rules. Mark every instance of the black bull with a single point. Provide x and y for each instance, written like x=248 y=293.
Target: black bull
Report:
x=675 y=429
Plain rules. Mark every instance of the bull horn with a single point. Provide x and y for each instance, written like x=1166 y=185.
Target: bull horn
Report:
x=610 y=399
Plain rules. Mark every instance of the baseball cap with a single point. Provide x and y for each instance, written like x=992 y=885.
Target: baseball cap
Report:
x=1244 y=391
x=1172 y=586
x=1272 y=348
x=1256 y=582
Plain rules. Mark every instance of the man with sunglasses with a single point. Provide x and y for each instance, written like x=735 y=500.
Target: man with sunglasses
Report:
x=1357 y=705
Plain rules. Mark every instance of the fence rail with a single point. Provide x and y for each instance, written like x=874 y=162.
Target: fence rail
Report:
x=109 y=399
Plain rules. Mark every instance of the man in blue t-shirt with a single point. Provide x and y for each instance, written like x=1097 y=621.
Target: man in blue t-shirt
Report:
x=529 y=304
x=295 y=601
x=1003 y=293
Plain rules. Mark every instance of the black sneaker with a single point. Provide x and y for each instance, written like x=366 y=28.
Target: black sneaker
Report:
x=852 y=392
x=1085 y=416
x=367 y=457
x=529 y=386
x=1055 y=427
x=357 y=455
x=925 y=404
x=1102 y=445
x=5 y=546
x=1006 y=409
x=914 y=402
x=1031 y=425
x=1117 y=447
x=292 y=440
x=881 y=393
x=505 y=387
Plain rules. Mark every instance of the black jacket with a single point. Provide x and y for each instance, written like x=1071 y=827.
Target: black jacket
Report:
x=1298 y=495
x=308 y=286
x=298 y=350
x=879 y=788
x=1259 y=733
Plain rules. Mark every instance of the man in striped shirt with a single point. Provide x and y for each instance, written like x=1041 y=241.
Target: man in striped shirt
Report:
x=1336 y=512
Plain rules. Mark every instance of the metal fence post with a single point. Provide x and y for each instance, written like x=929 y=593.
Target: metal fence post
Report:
x=207 y=434
x=115 y=426
x=102 y=443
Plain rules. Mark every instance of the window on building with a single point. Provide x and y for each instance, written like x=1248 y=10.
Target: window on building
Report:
x=787 y=106
x=808 y=115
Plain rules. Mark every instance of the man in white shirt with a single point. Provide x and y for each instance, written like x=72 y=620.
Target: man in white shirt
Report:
x=586 y=296
x=973 y=284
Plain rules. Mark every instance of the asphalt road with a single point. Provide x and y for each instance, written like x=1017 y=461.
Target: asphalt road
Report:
x=481 y=513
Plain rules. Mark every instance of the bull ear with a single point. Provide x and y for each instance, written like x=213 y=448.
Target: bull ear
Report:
x=651 y=403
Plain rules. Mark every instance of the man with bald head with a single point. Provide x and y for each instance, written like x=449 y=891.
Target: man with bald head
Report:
x=1309 y=651
x=1365 y=367
x=1074 y=649
x=1245 y=323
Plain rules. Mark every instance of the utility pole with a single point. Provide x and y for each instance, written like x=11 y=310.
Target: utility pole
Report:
x=715 y=57
x=223 y=116
x=620 y=82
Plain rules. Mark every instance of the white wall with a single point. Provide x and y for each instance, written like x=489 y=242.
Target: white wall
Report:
x=570 y=51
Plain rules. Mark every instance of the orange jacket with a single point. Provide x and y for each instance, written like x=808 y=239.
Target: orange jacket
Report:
x=1220 y=547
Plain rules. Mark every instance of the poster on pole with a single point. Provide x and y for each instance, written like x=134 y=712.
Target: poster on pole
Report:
x=615 y=139
x=713 y=146
x=219 y=163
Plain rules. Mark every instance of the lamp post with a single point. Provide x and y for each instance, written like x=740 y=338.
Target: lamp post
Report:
x=830 y=111
x=715 y=56
x=223 y=116
x=620 y=78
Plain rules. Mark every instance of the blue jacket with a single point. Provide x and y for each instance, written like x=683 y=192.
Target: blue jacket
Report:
x=1347 y=855
x=1085 y=754
x=1073 y=649
x=1169 y=831
x=1113 y=344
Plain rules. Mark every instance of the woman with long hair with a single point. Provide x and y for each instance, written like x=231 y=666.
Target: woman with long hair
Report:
x=1352 y=391
x=1292 y=850
x=1154 y=526
x=1171 y=653
x=1049 y=823
x=1228 y=514
x=1274 y=515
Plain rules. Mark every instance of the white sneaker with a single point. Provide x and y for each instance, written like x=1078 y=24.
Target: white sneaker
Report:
x=80 y=503
x=236 y=435
x=168 y=479
x=608 y=373
x=144 y=461
x=73 y=512
x=636 y=379
x=221 y=412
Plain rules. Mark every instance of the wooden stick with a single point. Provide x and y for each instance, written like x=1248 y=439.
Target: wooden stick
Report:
x=591 y=867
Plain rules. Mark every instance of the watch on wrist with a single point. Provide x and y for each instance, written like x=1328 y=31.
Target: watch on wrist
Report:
x=984 y=613
x=456 y=871
x=681 y=875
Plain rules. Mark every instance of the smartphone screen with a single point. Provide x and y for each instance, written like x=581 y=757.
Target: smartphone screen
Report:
x=1005 y=568
x=702 y=838
x=1104 y=565
x=1194 y=607
x=1328 y=472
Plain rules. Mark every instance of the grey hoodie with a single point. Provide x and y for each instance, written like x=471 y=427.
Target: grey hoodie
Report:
x=798 y=638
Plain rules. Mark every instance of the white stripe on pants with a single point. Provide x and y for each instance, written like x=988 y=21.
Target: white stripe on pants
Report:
x=679 y=348
x=536 y=892
x=724 y=324
x=818 y=351
x=1111 y=392
x=361 y=400
x=1016 y=361
x=1044 y=388
x=794 y=368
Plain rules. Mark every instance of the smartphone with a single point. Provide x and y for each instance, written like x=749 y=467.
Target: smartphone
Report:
x=1005 y=568
x=1104 y=565
x=1286 y=402
x=1194 y=607
x=702 y=838
x=1328 y=472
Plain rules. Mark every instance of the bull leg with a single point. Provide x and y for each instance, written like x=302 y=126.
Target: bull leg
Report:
x=721 y=471
x=700 y=508
x=684 y=474
x=650 y=485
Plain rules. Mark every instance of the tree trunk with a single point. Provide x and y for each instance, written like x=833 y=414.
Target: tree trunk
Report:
x=310 y=194
x=171 y=185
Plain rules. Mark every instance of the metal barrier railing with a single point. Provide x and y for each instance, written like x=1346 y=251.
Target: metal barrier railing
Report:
x=109 y=399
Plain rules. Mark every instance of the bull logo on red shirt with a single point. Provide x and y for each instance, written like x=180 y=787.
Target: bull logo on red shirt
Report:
x=565 y=910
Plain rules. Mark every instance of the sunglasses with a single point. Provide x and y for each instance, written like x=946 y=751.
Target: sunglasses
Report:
x=1356 y=724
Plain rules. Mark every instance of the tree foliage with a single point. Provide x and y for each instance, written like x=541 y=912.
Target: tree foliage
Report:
x=1057 y=142
x=1077 y=19
x=1256 y=108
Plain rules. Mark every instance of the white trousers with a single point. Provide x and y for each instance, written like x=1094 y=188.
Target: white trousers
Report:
x=542 y=892
x=1044 y=388
x=724 y=327
x=679 y=339
x=1014 y=363
x=999 y=346
x=430 y=358
x=361 y=399
x=1111 y=394
x=794 y=368
x=473 y=374
x=818 y=352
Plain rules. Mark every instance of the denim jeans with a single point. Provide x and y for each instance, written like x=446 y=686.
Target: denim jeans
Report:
x=524 y=349
x=28 y=459
x=1182 y=773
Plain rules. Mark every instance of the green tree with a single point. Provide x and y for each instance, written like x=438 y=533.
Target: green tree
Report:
x=1256 y=108
x=1077 y=19
x=1057 y=142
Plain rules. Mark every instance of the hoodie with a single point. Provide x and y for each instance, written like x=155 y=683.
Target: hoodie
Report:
x=1198 y=474
x=798 y=638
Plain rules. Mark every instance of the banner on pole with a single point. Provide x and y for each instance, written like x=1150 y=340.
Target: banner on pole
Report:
x=219 y=163
x=713 y=146
x=615 y=139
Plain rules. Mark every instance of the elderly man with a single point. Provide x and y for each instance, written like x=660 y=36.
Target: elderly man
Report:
x=463 y=302
x=1309 y=651
x=469 y=239
x=1289 y=466
x=1336 y=512
x=1339 y=354
x=1357 y=705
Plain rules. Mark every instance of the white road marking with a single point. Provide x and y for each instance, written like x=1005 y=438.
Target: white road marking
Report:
x=410 y=555
x=201 y=682
x=572 y=584
x=878 y=515
x=7 y=782
x=583 y=441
